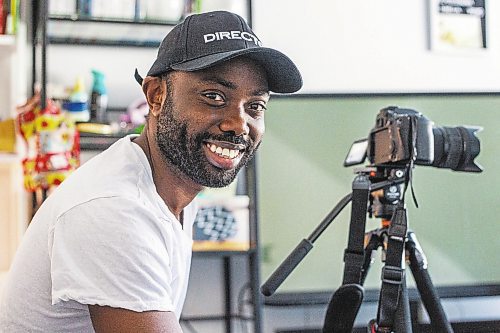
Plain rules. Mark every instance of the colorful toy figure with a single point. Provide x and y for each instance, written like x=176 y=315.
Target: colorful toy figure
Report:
x=52 y=144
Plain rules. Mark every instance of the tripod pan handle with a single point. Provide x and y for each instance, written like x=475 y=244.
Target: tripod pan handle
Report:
x=286 y=267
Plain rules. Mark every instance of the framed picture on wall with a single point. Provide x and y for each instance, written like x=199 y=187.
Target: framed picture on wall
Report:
x=457 y=26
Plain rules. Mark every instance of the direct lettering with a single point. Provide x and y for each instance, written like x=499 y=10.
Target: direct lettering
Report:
x=234 y=34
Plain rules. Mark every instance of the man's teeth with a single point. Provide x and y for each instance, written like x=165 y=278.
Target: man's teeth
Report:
x=224 y=152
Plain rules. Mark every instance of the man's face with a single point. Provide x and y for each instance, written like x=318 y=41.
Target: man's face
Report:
x=212 y=121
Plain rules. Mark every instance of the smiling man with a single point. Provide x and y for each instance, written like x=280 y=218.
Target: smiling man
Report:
x=110 y=250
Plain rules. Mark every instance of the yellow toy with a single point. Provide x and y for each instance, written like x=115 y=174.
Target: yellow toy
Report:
x=52 y=142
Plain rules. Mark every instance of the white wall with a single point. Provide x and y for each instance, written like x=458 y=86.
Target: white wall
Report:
x=361 y=46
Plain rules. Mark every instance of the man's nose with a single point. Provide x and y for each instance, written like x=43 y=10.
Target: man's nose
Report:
x=235 y=121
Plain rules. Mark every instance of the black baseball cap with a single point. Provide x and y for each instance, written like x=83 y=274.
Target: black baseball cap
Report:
x=207 y=39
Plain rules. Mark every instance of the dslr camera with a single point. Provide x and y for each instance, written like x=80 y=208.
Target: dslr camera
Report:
x=404 y=136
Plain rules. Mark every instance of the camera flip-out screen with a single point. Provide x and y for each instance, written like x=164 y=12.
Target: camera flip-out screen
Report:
x=357 y=153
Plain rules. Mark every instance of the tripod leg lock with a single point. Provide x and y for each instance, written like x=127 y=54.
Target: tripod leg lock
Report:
x=397 y=238
x=392 y=274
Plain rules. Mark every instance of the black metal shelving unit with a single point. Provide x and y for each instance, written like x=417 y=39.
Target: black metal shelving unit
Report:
x=95 y=142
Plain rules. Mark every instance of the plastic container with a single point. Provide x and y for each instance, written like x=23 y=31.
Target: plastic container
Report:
x=78 y=111
x=77 y=106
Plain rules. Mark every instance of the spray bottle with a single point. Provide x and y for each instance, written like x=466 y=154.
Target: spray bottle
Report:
x=98 y=99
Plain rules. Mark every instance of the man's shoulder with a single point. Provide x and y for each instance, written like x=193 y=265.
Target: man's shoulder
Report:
x=116 y=173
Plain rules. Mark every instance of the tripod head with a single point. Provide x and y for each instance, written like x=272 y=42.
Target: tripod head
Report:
x=383 y=201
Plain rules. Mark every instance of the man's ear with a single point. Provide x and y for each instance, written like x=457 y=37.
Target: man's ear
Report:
x=154 y=90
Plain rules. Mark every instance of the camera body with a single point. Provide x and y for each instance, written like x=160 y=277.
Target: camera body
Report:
x=404 y=136
x=399 y=135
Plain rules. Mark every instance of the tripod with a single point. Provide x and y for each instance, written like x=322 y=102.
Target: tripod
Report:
x=399 y=245
x=387 y=202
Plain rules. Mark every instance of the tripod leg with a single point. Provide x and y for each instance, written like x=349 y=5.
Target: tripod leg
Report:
x=374 y=242
x=428 y=293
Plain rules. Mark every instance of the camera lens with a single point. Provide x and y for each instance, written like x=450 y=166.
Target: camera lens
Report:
x=456 y=148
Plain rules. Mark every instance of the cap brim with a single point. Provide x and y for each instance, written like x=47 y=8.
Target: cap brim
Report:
x=282 y=74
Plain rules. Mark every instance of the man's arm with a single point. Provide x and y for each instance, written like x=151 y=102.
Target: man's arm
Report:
x=110 y=320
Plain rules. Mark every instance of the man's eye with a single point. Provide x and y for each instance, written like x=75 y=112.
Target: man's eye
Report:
x=259 y=107
x=214 y=96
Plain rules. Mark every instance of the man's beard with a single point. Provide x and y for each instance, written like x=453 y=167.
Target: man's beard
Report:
x=184 y=151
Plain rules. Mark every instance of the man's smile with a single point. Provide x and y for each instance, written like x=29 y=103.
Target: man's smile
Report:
x=224 y=155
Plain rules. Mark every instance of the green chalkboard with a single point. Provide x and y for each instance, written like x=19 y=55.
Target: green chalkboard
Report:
x=301 y=178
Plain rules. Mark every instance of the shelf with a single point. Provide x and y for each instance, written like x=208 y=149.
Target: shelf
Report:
x=198 y=254
x=110 y=20
x=107 y=32
x=214 y=246
x=101 y=42
x=90 y=141
x=215 y=317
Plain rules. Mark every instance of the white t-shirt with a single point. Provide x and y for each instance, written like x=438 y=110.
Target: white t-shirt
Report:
x=103 y=237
